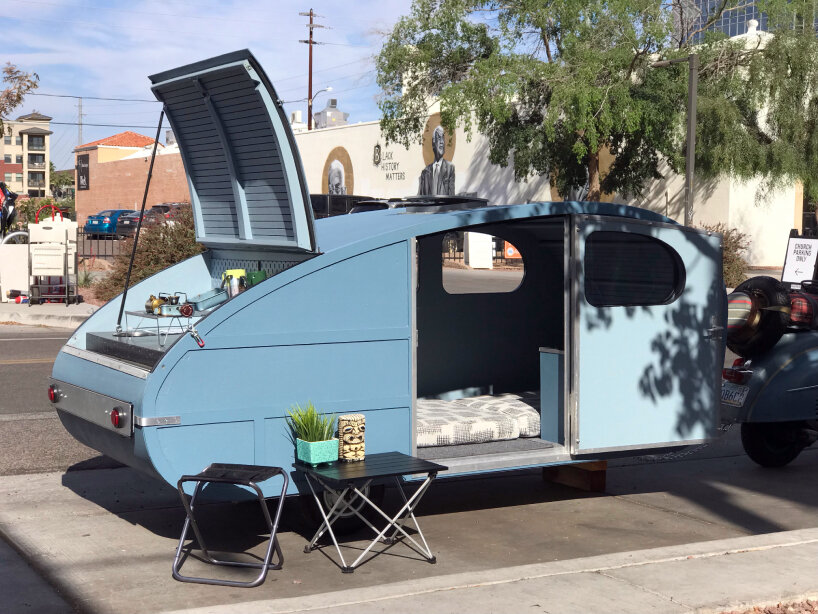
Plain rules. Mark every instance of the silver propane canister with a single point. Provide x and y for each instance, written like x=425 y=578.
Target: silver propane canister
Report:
x=234 y=286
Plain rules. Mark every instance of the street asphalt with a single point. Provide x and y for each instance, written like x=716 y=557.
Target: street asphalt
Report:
x=705 y=531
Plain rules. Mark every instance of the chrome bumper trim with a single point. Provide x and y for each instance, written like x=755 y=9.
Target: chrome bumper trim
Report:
x=106 y=361
x=159 y=421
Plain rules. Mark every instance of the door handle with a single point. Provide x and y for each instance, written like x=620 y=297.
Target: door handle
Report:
x=714 y=333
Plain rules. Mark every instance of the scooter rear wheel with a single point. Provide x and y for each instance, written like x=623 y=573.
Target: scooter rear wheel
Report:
x=772 y=444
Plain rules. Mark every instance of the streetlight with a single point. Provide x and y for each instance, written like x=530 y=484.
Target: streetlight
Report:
x=309 y=105
x=692 y=90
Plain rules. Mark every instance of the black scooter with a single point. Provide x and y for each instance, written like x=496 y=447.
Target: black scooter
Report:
x=8 y=211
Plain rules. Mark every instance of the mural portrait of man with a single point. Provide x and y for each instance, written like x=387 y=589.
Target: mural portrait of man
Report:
x=335 y=178
x=437 y=179
x=338 y=176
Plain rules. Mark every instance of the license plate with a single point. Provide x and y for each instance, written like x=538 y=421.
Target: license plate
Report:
x=94 y=221
x=126 y=223
x=733 y=394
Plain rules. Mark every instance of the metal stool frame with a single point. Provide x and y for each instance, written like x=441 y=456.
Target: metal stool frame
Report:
x=396 y=522
x=231 y=474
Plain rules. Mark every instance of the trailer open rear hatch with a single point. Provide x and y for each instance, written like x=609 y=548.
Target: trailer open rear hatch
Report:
x=249 y=198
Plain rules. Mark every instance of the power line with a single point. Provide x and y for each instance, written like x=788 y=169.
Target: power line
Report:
x=277 y=81
x=366 y=57
x=100 y=125
x=150 y=13
x=91 y=97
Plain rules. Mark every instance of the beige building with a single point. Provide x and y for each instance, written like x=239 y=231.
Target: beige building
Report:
x=24 y=154
x=357 y=157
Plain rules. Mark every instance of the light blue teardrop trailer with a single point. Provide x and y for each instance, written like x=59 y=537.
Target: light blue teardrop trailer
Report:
x=609 y=345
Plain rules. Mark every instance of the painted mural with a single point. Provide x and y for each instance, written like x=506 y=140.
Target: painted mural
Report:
x=437 y=178
x=338 y=176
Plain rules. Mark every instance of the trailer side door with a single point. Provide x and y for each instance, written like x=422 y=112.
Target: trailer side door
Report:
x=645 y=345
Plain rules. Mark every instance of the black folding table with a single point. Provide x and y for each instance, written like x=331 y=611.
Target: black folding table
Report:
x=351 y=479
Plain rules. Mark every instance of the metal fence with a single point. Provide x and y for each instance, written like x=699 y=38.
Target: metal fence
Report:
x=98 y=246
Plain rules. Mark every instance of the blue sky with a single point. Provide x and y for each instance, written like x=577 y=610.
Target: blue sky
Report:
x=107 y=48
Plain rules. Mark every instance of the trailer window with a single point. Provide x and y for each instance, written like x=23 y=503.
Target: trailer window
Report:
x=479 y=263
x=627 y=269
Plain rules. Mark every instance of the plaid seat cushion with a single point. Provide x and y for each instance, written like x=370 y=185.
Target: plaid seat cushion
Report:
x=448 y=423
x=524 y=408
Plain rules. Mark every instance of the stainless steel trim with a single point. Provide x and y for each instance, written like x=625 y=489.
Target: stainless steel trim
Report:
x=93 y=406
x=510 y=460
x=597 y=218
x=642 y=446
x=571 y=367
x=413 y=331
x=158 y=421
x=106 y=361
x=802 y=389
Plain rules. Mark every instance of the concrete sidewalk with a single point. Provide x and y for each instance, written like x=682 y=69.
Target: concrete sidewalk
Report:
x=48 y=314
x=696 y=535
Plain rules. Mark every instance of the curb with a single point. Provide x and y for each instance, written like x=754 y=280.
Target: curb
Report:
x=68 y=320
x=387 y=594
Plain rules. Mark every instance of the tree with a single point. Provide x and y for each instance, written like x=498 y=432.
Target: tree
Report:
x=60 y=179
x=553 y=84
x=17 y=85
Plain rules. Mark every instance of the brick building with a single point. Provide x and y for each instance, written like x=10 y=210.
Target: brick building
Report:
x=111 y=174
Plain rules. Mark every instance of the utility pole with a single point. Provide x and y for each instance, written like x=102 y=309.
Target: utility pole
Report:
x=79 y=123
x=310 y=42
x=692 y=94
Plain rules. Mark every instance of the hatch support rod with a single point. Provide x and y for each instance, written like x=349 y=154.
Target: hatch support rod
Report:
x=139 y=223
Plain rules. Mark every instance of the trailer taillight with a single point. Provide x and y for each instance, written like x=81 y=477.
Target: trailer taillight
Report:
x=117 y=417
x=53 y=393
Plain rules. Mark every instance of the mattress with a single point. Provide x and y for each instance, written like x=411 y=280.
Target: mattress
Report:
x=477 y=419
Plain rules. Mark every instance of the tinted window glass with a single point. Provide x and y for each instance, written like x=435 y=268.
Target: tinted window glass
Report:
x=630 y=269
x=106 y=212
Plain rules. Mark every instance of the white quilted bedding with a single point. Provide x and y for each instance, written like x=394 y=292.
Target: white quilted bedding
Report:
x=477 y=419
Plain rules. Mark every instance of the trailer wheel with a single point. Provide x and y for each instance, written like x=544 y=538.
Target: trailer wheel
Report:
x=769 y=320
x=348 y=522
x=772 y=444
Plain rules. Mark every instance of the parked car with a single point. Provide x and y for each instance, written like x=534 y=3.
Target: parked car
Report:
x=105 y=222
x=439 y=202
x=610 y=342
x=327 y=205
x=168 y=210
x=128 y=223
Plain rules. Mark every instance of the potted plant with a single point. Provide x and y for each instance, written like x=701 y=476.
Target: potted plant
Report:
x=314 y=434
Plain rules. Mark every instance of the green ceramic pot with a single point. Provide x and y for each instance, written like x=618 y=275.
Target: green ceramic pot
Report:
x=316 y=452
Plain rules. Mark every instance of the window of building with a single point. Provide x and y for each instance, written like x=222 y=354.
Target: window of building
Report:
x=8 y=177
x=7 y=158
x=18 y=140
x=36 y=142
x=19 y=159
x=19 y=177
x=471 y=260
x=627 y=269
x=7 y=139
